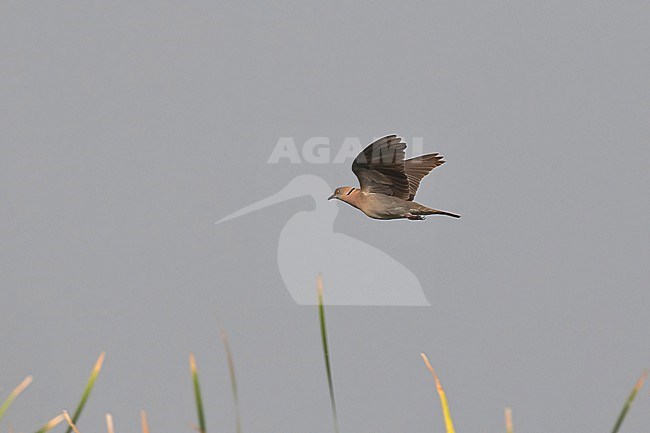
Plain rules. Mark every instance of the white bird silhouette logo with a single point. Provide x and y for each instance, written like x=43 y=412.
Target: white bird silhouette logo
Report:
x=355 y=272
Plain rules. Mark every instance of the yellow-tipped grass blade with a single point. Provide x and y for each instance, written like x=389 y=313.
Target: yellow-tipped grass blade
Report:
x=197 y=393
x=51 y=424
x=89 y=387
x=15 y=393
x=508 y=416
x=144 y=421
x=630 y=399
x=443 y=397
x=110 y=427
x=70 y=422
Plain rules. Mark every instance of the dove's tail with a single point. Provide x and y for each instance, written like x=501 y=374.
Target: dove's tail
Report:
x=428 y=211
x=442 y=212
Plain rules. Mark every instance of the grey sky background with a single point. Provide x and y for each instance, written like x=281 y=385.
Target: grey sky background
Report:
x=128 y=128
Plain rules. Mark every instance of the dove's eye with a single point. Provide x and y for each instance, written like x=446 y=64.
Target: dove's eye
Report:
x=337 y=192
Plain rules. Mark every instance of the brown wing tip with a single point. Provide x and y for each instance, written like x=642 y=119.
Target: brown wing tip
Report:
x=430 y=157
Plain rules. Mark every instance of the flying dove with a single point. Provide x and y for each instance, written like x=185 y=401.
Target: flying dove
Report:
x=388 y=182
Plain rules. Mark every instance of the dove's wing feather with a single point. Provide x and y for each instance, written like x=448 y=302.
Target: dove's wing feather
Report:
x=380 y=168
x=418 y=167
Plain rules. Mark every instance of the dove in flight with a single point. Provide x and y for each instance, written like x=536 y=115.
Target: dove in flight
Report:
x=388 y=182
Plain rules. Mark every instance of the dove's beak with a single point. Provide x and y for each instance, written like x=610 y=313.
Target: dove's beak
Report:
x=331 y=197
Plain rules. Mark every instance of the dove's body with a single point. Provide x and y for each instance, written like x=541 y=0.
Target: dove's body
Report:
x=388 y=182
x=385 y=207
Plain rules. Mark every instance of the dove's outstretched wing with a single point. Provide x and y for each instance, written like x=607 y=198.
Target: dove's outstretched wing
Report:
x=418 y=167
x=380 y=168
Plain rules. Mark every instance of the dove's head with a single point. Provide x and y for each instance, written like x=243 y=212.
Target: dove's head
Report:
x=344 y=193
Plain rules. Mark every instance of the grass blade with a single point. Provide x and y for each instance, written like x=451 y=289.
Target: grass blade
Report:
x=110 y=428
x=326 y=354
x=70 y=422
x=15 y=393
x=197 y=393
x=233 y=378
x=51 y=424
x=508 y=416
x=630 y=399
x=86 y=393
x=443 y=397
x=144 y=421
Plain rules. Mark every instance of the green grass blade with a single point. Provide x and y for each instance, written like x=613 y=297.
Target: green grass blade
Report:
x=326 y=353
x=630 y=399
x=15 y=393
x=51 y=424
x=197 y=394
x=233 y=378
x=86 y=393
